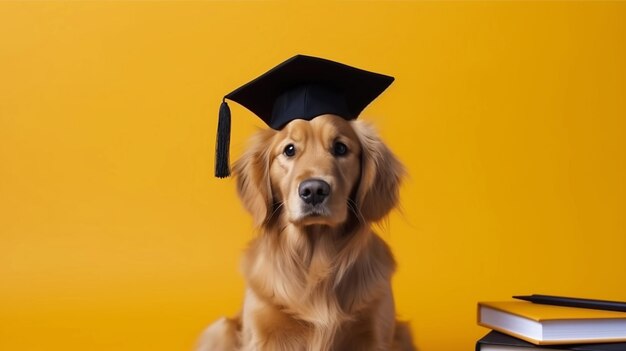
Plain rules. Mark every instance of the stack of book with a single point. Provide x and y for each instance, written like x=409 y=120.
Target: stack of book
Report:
x=552 y=323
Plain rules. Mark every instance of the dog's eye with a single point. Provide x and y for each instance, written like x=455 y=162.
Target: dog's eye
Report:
x=340 y=149
x=289 y=150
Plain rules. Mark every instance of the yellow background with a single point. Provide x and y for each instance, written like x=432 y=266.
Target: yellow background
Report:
x=510 y=117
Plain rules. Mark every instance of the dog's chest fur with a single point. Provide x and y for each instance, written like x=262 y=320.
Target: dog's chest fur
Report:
x=322 y=281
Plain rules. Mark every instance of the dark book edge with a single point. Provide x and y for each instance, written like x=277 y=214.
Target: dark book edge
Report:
x=497 y=338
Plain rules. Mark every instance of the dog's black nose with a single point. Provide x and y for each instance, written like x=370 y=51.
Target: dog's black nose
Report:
x=313 y=191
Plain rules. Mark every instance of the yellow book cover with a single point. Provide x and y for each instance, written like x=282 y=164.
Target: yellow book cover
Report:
x=547 y=324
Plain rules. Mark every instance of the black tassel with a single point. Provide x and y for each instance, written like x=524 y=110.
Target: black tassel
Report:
x=222 y=145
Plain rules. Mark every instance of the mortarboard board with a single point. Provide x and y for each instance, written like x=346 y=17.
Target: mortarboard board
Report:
x=303 y=87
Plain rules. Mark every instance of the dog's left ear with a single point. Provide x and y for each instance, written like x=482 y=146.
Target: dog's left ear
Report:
x=381 y=174
x=252 y=174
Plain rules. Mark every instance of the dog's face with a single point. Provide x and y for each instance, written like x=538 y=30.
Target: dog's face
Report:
x=318 y=172
x=315 y=167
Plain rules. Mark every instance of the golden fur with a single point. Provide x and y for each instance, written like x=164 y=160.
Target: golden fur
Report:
x=317 y=277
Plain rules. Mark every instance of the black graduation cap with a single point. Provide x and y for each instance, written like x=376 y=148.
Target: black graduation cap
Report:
x=303 y=87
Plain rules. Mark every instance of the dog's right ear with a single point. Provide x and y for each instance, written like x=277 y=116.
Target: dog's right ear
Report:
x=252 y=174
x=381 y=174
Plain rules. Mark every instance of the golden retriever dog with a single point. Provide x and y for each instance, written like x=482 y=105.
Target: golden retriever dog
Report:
x=318 y=277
